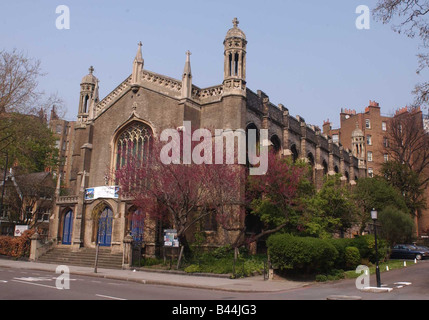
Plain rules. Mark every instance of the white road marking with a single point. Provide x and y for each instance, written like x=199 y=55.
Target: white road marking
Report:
x=35 y=284
x=34 y=279
x=403 y=283
x=3 y=281
x=109 y=297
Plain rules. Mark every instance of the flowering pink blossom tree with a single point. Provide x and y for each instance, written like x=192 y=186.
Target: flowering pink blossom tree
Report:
x=275 y=196
x=179 y=194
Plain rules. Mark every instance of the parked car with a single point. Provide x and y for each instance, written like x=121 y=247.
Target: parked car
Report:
x=423 y=248
x=409 y=251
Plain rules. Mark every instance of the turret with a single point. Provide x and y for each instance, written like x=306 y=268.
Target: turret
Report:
x=235 y=61
x=88 y=94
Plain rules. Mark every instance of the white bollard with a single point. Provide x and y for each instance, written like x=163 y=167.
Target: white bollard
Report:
x=405 y=263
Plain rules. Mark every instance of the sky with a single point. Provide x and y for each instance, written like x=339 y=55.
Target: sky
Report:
x=307 y=55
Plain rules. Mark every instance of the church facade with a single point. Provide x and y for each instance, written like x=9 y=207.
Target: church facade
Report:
x=145 y=104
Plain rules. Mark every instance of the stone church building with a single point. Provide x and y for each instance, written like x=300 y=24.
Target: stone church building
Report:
x=140 y=108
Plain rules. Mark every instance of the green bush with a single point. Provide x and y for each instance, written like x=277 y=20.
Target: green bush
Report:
x=221 y=261
x=304 y=254
x=398 y=226
x=341 y=244
x=352 y=257
x=366 y=246
x=321 y=278
x=314 y=255
x=192 y=268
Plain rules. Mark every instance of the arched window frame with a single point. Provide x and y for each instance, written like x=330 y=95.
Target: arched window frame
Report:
x=132 y=141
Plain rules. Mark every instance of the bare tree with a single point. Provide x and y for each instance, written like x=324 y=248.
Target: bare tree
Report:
x=18 y=81
x=408 y=150
x=19 y=90
x=408 y=143
x=410 y=18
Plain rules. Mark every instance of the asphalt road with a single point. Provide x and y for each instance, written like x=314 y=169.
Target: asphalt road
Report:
x=19 y=284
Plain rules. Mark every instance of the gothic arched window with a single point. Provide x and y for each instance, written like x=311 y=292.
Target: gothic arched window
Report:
x=276 y=144
x=133 y=143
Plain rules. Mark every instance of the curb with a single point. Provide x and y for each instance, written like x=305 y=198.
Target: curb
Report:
x=376 y=289
x=340 y=297
x=52 y=267
x=182 y=273
x=175 y=284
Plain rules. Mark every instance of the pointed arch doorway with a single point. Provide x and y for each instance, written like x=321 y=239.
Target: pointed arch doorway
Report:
x=67 y=227
x=104 y=230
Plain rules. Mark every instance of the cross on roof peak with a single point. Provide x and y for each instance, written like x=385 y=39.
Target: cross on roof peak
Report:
x=91 y=69
x=235 y=22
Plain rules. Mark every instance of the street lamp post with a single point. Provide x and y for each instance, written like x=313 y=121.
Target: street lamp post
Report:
x=2 y=190
x=377 y=269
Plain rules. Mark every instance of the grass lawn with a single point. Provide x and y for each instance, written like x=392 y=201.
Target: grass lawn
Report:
x=244 y=266
x=391 y=264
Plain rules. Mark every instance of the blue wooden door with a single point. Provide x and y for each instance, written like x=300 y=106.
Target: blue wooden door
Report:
x=105 y=227
x=68 y=227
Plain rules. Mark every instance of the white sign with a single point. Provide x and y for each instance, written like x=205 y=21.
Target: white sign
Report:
x=109 y=192
x=170 y=238
x=19 y=230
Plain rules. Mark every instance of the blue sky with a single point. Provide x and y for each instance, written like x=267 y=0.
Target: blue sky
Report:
x=307 y=55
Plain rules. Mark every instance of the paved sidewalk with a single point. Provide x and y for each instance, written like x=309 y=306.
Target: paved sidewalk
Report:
x=251 y=284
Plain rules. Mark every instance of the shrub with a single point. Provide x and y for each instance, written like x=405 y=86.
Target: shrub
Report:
x=301 y=253
x=341 y=244
x=366 y=246
x=16 y=246
x=321 y=278
x=192 y=268
x=222 y=252
x=398 y=226
x=352 y=257
x=221 y=261
x=314 y=255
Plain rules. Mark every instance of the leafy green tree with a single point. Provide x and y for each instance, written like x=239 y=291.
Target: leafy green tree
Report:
x=276 y=197
x=397 y=226
x=28 y=142
x=330 y=210
x=408 y=183
x=375 y=193
x=24 y=135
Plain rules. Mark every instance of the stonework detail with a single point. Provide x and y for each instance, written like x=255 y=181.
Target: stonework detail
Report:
x=147 y=99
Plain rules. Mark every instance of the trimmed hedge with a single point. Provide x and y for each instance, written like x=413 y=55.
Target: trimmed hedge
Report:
x=301 y=253
x=352 y=256
x=314 y=255
x=16 y=246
